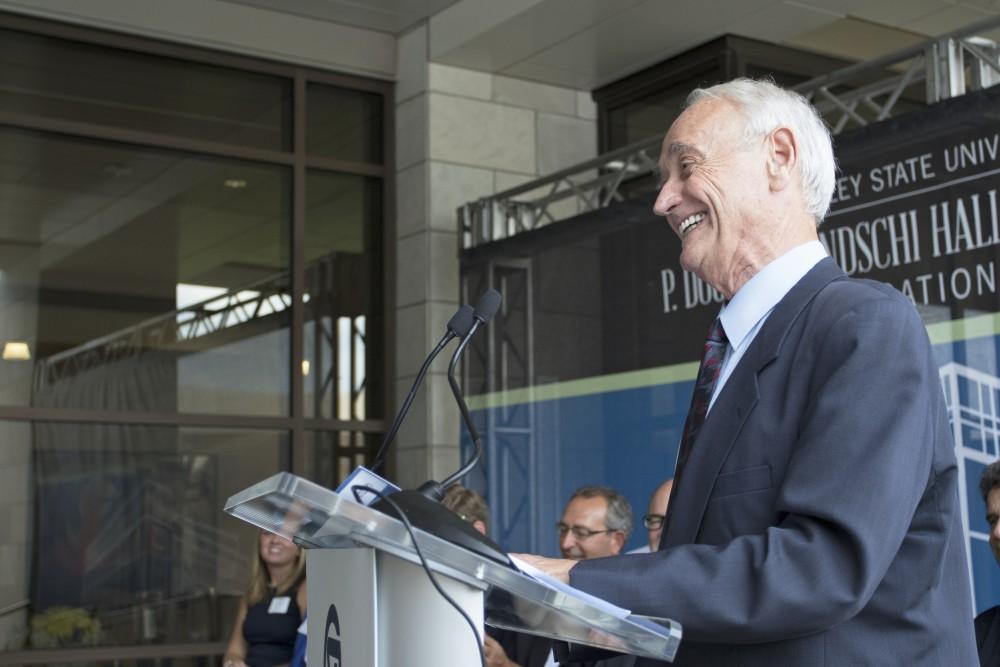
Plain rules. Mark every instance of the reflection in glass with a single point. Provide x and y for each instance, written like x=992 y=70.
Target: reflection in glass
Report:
x=343 y=124
x=85 y=83
x=334 y=454
x=342 y=367
x=124 y=539
x=136 y=279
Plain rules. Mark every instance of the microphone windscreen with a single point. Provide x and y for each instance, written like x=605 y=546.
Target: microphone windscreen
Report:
x=488 y=305
x=461 y=321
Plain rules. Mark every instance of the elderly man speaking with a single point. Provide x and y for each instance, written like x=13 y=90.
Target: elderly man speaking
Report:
x=814 y=518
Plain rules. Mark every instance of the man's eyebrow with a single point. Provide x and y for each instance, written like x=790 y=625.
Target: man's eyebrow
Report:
x=681 y=147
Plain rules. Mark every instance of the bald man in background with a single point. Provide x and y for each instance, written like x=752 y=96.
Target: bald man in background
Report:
x=655 y=515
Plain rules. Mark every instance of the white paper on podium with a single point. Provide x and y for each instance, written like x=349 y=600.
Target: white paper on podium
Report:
x=554 y=583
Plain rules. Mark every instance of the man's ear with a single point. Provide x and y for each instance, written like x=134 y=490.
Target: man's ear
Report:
x=618 y=537
x=782 y=156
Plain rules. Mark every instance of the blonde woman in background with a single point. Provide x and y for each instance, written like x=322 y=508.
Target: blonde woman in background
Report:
x=273 y=608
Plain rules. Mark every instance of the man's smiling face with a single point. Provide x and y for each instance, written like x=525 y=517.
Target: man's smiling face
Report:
x=714 y=189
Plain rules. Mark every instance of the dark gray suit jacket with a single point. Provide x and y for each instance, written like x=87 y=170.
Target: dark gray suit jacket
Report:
x=817 y=522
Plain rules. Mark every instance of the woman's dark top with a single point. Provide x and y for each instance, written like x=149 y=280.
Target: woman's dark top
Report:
x=271 y=637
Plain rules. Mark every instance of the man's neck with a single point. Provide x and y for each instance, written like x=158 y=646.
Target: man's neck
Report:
x=761 y=252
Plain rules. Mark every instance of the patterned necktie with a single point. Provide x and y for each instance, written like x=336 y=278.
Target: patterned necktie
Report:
x=704 y=386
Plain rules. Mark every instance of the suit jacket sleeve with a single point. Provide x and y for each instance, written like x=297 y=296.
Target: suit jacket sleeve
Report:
x=857 y=469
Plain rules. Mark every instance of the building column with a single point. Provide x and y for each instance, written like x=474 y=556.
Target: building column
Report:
x=461 y=134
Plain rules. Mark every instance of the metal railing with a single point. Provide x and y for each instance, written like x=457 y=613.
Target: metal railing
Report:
x=852 y=97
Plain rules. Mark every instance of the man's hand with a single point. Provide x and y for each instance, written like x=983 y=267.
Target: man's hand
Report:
x=554 y=567
x=495 y=655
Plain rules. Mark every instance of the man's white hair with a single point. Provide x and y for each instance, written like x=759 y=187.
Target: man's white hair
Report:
x=766 y=107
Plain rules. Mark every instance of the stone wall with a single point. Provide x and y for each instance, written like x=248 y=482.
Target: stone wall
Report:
x=460 y=134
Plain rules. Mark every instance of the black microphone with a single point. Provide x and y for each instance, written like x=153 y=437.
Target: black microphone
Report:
x=486 y=308
x=422 y=506
x=461 y=323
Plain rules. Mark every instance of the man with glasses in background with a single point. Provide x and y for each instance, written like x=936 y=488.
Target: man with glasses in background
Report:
x=656 y=514
x=596 y=522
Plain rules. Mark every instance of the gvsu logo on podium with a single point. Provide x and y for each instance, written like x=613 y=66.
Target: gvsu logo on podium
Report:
x=331 y=651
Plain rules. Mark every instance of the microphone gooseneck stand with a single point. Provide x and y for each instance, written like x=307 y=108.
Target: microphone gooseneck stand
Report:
x=423 y=506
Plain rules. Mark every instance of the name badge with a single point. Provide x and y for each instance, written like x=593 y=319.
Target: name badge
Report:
x=279 y=605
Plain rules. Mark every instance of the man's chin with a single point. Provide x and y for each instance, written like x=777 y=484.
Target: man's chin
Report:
x=688 y=262
x=571 y=556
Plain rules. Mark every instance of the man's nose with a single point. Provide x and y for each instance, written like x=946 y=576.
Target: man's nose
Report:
x=995 y=532
x=567 y=541
x=667 y=199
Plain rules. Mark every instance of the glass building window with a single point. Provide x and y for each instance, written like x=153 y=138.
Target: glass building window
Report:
x=155 y=229
x=332 y=455
x=343 y=249
x=142 y=279
x=60 y=79
x=344 y=124
x=128 y=543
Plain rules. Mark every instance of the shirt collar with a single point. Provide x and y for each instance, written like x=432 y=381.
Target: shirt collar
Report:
x=762 y=293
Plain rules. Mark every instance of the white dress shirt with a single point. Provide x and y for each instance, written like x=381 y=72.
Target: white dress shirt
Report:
x=743 y=317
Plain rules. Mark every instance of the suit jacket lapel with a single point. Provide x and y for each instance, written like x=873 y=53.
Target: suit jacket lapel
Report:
x=734 y=404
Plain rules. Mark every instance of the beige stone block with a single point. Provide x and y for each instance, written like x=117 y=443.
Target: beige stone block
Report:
x=532 y=95
x=16 y=443
x=444 y=417
x=14 y=483
x=443 y=271
x=13 y=563
x=411 y=466
x=586 y=107
x=412 y=257
x=418 y=329
x=451 y=186
x=444 y=460
x=411 y=200
x=15 y=517
x=481 y=134
x=416 y=465
x=505 y=180
x=459 y=81
x=564 y=142
x=413 y=432
x=440 y=313
x=411 y=132
x=411 y=64
x=412 y=342
x=434 y=415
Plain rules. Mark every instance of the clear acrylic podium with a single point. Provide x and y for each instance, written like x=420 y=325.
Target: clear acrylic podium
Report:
x=371 y=603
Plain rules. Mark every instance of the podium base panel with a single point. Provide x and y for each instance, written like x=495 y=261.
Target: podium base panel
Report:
x=371 y=608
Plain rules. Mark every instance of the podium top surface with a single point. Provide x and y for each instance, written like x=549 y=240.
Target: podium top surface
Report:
x=318 y=518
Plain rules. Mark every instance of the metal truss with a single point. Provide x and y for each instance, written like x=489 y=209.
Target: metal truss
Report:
x=869 y=92
x=852 y=97
x=585 y=187
x=338 y=341
x=179 y=331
